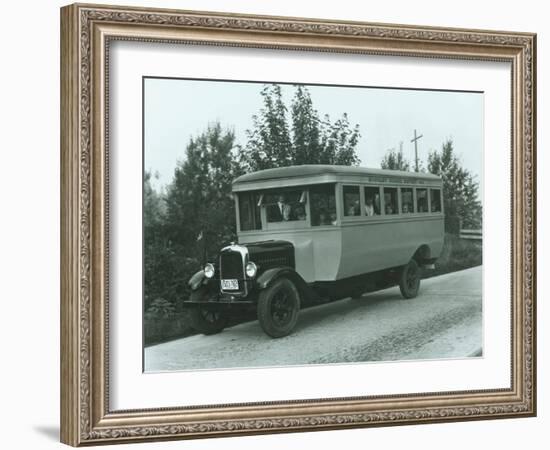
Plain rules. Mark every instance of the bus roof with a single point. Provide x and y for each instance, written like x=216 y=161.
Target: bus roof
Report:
x=308 y=174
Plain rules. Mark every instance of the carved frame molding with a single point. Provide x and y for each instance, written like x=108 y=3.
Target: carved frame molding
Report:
x=86 y=31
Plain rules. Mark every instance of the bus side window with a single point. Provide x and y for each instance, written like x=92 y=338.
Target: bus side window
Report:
x=323 y=204
x=390 y=201
x=422 y=200
x=407 y=205
x=351 y=201
x=372 y=201
x=435 y=200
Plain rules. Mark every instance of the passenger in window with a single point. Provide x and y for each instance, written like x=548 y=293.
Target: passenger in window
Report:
x=283 y=208
x=280 y=211
x=300 y=213
x=326 y=218
x=390 y=201
x=422 y=205
x=370 y=210
x=354 y=209
x=323 y=205
x=407 y=200
x=435 y=206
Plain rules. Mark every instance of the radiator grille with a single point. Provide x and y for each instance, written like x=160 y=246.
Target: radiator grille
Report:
x=231 y=266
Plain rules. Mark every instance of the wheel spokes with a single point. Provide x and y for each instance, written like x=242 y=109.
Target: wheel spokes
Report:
x=210 y=316
x=281 y=308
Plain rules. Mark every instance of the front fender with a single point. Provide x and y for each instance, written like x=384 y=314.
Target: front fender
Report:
x=267 y=277
x=197 y=280
x=270 y=275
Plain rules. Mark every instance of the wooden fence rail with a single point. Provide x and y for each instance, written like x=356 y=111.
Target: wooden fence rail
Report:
x=476 y=235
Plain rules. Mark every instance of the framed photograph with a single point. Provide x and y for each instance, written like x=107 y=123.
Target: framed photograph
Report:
x=276 y=224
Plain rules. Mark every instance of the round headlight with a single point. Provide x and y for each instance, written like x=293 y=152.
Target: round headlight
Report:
x=251 y=270
x=209 y=270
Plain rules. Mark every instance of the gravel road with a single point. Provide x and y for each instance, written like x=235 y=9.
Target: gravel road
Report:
x=444 y=321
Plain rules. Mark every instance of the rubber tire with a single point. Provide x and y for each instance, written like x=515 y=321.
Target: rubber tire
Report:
x=408 y=289
x=199 y=320
x=265 y=317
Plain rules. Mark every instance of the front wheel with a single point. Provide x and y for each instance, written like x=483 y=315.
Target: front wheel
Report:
x=206 y=320
x=278 y=307
x=409 y=280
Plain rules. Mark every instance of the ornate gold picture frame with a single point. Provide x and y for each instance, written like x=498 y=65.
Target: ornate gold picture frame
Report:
x=87 y=32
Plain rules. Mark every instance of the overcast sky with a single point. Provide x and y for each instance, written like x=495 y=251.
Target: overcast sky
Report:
x=176 y=110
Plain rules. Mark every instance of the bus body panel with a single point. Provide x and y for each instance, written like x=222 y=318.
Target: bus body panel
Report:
x=358 y=247
x=387 y=243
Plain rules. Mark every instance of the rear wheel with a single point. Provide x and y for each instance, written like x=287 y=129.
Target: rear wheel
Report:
x=409 y=280
x=278 y=307
x=206 y=320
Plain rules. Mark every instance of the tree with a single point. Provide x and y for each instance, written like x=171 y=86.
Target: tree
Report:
x=200 y=213
x=274 y=142
x=269 y=141
x=394 y=160
x=306 y=134
x=460 y=188
x=338 y=142
x=153 y=205
x=156 y=266
x=199 y=197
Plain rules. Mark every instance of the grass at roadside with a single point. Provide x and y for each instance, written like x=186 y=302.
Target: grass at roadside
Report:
x=457 y=254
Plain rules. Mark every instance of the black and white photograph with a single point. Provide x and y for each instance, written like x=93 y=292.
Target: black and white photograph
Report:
x=289 y=219
x=303 y=224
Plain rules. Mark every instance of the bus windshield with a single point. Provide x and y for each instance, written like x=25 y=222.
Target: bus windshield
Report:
x=249 y=211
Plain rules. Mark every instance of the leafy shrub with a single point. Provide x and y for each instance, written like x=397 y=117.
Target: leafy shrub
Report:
x=457 y=254
x=160 y=308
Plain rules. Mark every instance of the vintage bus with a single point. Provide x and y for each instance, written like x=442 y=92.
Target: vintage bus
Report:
x=319 y=232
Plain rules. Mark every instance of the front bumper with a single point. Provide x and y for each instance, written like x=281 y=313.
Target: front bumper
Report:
x=222 y=299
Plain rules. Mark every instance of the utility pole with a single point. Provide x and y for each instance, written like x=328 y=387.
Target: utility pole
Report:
x=415 y=140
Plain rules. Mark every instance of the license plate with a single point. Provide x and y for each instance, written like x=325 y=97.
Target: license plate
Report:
x=230 y=285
